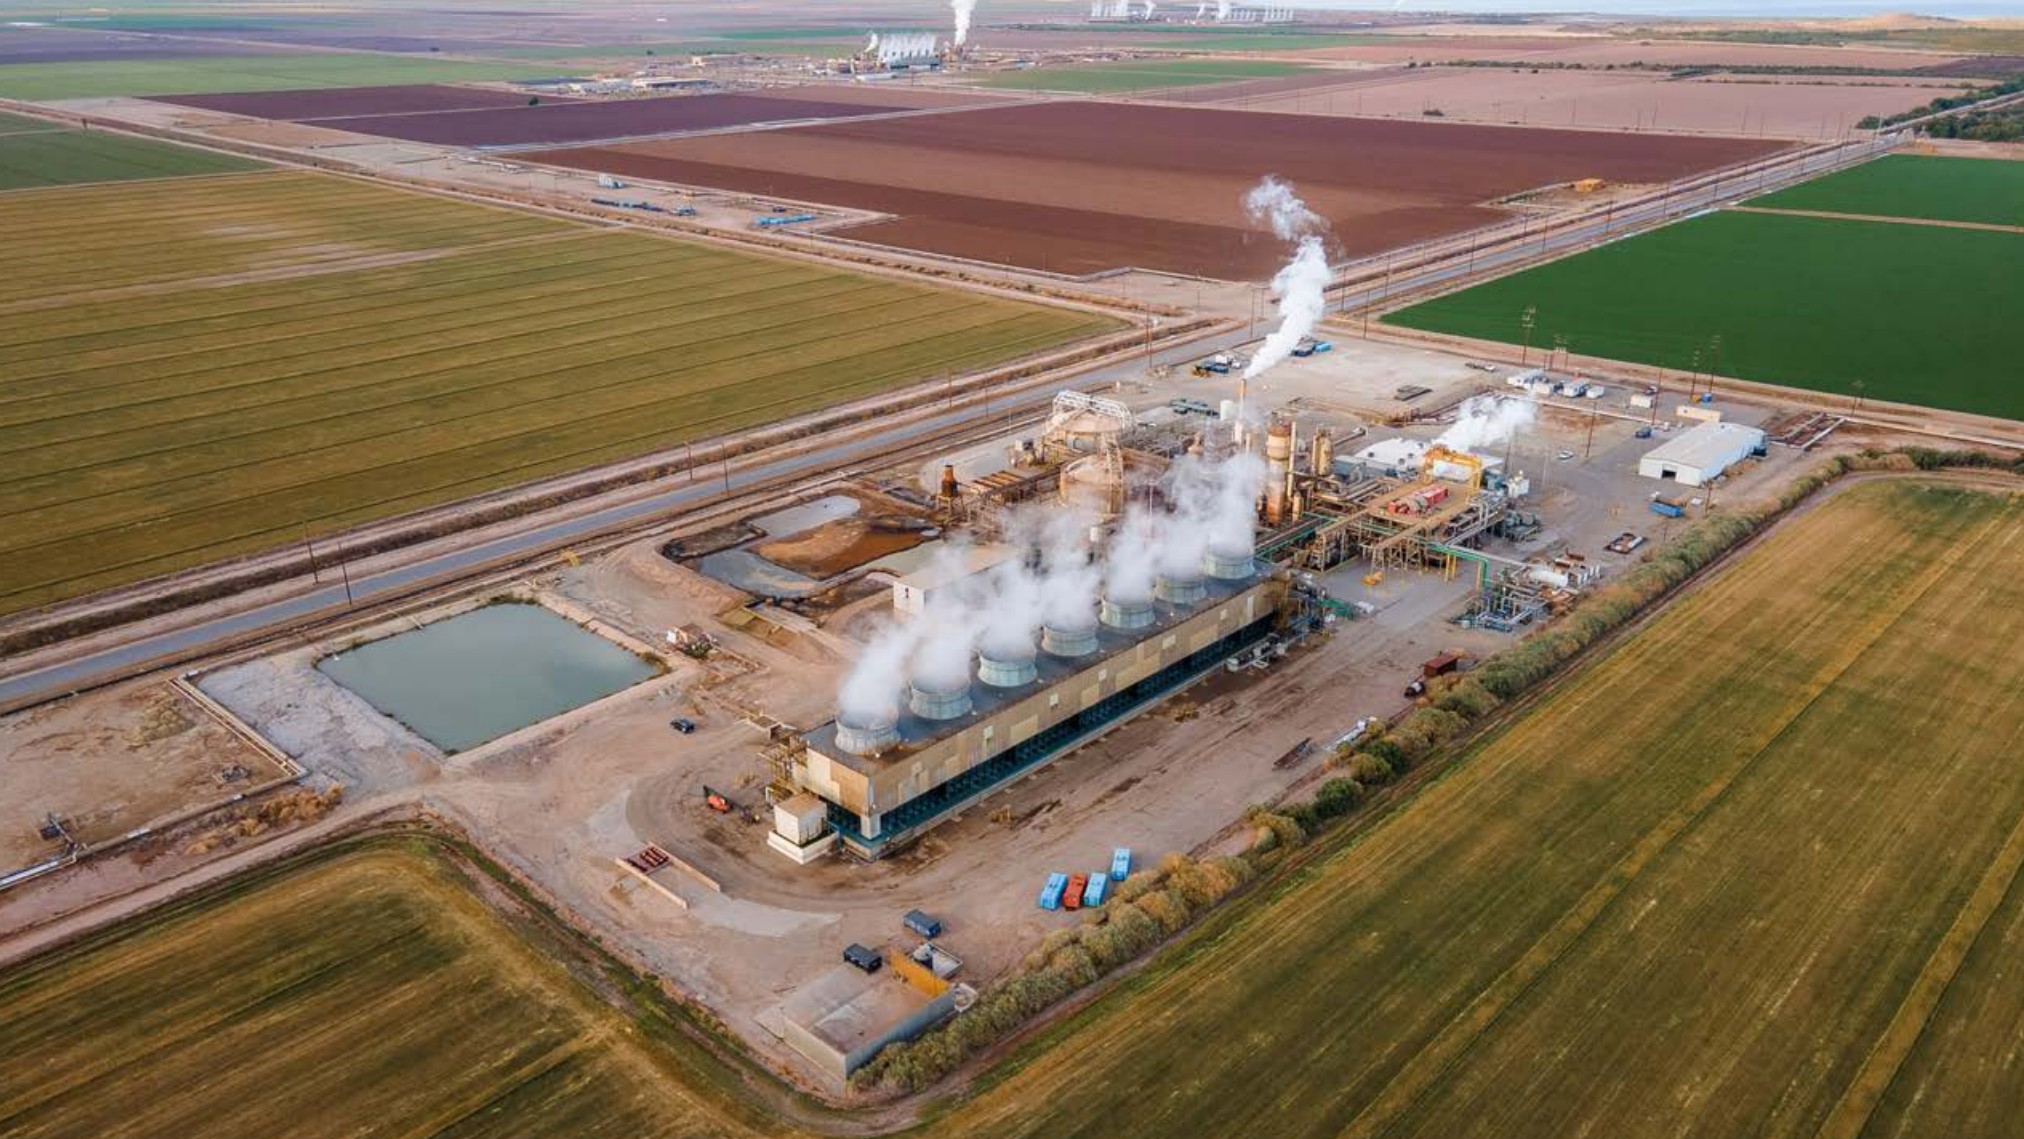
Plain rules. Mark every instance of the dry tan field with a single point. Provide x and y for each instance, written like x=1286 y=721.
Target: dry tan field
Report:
x=1783 y=107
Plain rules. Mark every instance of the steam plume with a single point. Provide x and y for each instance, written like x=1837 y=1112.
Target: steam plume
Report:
x=964 y=9
x=1302 y=285
x=1485 y=420
x=1222 y=9
x=1205 y=504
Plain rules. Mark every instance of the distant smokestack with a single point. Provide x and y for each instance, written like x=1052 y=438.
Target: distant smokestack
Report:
x=867 y=735
x=1278 y=463
x=939 y=703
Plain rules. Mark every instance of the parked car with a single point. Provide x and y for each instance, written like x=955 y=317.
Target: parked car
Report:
x=682 y=725
x=1481 y=366
x=864 y=958
x=1416 y=689
x=1564 y=455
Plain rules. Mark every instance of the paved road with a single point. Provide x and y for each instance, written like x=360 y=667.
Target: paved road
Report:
x=367 y=588
x=163 y=649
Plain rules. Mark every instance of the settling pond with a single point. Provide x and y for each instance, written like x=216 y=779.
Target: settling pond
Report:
x=472 y=678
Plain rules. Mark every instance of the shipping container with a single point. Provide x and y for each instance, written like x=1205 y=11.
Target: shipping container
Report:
x=1669 y=509
x=1120 y=864
x=1099 y=885
x=1050 y=894
x=1072 y=897
x=1440 y=665
x=922 y=924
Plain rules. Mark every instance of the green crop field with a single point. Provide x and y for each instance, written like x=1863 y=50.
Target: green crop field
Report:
x=23 y=124
x=369 y=992
x=1913 y=313
x=1754 y=872
x=1983 y=190
x=192 y=369
x=55 y=157
x=1112 y=78
x=48 y=82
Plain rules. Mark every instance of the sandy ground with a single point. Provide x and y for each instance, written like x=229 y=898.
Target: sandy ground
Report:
x=1810 y=107
x=111 y=761
x=1599 y=51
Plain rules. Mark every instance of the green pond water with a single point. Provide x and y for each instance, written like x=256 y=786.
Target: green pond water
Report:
x=479 y=675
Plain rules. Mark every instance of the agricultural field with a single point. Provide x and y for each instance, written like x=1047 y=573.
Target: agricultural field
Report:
x=1801 y=107
x=1845 y=307
x=1144 y=75
x=46 y=82
x=43 y=154
x=251 y=359
x=1721 y=877
x=370 y=990
x=564 y=123
x=1783 y=906
x=1915 y=186
x=1078 y=187
x=336 y=102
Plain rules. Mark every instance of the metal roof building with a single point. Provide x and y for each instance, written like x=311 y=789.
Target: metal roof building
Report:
x=1694 y=457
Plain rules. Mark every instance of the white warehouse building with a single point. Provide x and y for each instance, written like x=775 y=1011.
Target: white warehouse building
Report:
x=1696 y=456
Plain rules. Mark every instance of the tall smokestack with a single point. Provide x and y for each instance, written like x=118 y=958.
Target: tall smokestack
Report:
x=1278 y=464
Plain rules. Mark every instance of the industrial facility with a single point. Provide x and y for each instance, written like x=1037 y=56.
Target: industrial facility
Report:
x=1224 y=518
x=1700 y=454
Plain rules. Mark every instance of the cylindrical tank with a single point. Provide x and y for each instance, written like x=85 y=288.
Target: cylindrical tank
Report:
x=1069 y=641
x=1278 y=462
x=1126 y=614
x=949 y=486
x=939 y=703
x=1007 y=669
x=1323 y=458
x=1228 y=564
x=867 y=735
x=1179 y=590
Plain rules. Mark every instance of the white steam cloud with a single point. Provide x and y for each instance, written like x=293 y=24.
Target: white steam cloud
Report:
x=1302 y=284
x=1054 y=581
x=1222 y=9
x=964 y=9
x=1487 y=420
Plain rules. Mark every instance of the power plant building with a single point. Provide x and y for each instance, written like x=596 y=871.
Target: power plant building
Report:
x=884 y=783
x=1699 y=455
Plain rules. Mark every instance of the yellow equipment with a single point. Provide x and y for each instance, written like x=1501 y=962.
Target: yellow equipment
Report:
x=1438 y=454
x=1374 y=578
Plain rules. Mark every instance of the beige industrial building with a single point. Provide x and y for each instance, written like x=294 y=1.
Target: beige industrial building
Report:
x=881 y=784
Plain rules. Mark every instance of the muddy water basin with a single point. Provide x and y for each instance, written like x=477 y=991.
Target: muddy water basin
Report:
x=469 y=679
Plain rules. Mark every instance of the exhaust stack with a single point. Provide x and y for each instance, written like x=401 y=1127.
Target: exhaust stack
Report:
x=939 y=703
x=1126 y=615
x=1007 y=669
x=867 y=735
x=1179 y=590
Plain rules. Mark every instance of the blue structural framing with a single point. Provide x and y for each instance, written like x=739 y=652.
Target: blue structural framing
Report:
x=902 y=821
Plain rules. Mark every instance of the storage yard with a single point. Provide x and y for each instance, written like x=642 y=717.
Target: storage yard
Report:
x=239 y=410
x=1073 y=187
x=1888 y=322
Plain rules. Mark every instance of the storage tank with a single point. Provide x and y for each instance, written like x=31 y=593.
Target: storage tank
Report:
x=1322 y=460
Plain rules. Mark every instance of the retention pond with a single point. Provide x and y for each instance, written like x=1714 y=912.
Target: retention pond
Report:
x=472 y=678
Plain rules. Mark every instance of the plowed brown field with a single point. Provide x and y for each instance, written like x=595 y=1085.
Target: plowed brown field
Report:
x=1080 y=187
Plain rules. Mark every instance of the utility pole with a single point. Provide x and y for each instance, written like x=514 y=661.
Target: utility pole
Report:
x=316 y=578
x=345 y=570
x=1525 y=320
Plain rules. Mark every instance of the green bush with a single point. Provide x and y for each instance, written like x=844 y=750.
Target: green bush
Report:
x=1338 y=797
